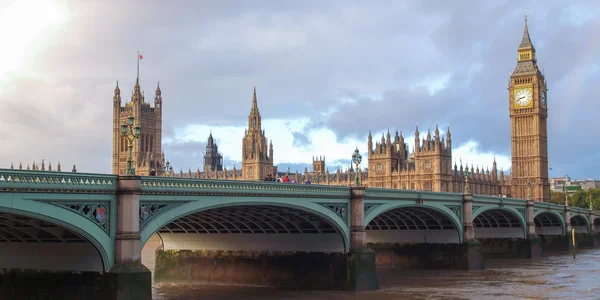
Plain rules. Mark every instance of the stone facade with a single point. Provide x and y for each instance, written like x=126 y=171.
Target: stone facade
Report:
x=147 y=154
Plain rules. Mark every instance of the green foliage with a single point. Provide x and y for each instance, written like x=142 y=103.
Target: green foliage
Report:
x=580 y=198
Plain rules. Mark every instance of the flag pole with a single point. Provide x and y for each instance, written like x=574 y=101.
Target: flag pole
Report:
x=138 y=65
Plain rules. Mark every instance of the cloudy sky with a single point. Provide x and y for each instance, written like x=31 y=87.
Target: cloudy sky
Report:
x=326 y=73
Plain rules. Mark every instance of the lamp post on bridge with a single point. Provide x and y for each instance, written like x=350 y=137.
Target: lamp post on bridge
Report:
x=356 y=159
x=168 y=169
x=130 y=133
x=528 y=190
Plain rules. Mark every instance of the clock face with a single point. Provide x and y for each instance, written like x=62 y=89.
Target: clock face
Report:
x=523 y=97
x=543 y=100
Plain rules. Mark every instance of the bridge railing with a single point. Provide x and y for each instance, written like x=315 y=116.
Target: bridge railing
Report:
x=26 y=180
x=211 y=186
x=498 y=200
x=401 y=194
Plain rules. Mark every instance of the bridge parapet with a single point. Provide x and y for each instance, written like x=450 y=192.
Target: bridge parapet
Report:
x=194 y=186
x=397 y=194
x=40 y=181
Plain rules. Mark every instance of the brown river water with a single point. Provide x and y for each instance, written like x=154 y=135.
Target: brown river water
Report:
x=552 y=277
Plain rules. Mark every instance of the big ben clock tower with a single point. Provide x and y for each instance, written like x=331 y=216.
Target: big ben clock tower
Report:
x=528 y=113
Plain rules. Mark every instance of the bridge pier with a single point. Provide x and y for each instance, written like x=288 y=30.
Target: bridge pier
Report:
x=361 y=261
x=469 y=256
x=128 y=278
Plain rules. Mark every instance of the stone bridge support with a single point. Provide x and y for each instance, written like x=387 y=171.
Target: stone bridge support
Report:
x=128 y=278
x=533 y=243
x=470 y=256
x=361 y=263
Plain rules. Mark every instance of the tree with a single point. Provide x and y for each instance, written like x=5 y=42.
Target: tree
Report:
x=557 y=197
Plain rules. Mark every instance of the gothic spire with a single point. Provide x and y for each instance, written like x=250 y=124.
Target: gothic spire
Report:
x=158 y=92
x=526 y=40
x=254 y=102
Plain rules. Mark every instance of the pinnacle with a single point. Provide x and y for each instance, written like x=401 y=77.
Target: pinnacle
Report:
x=526 y=40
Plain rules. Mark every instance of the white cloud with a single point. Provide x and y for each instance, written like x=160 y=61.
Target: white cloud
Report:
x=323 y=143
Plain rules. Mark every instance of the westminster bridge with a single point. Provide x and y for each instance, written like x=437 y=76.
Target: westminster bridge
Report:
x=260 y=232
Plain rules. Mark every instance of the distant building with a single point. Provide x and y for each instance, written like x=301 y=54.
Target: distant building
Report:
x=213 y=160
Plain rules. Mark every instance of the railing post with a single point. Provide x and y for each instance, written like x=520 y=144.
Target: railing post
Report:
x=128 y=278
x=360 y=260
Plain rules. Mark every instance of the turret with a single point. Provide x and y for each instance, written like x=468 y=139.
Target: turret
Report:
x=448 y=139
x=271 y=150
x=117 y=97
x=157 y=96
x=370 y=142
x=417 y=147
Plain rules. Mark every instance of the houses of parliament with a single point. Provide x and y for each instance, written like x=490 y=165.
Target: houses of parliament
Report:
x=390 y=163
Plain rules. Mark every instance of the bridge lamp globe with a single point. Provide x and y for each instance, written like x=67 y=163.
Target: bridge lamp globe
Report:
x=138 y=130
x=167 y=165
x=130 y=120
x=356 y=158
x=124 y=129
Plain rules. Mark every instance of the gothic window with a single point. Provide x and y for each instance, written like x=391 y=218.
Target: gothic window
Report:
x=151 y=143
x=254 y=122
x=250 y=171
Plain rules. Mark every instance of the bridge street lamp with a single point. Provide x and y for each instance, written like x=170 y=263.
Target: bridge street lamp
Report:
x=356 y=159
x=130 y=133
x=168 y=169
x=528 y=190
x=466 y=174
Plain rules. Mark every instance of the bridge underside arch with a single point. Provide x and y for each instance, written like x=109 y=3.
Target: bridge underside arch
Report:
x=547 y=223
x=35 y=244
x=579 y=223
x=412 y=225
x=498 y=223
x=252 y=228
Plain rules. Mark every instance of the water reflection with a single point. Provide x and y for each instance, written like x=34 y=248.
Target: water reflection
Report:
x=553 y=277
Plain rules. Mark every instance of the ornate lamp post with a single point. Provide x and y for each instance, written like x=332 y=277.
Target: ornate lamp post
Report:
x=356 y=159
x=130 y=133
x=528 y=190
x=466 y=174
x=168 y=169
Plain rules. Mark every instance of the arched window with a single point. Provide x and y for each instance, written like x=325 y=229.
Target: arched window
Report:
x=151 y=143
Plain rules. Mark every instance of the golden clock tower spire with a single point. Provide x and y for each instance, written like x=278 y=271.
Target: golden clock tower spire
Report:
x=528 y=129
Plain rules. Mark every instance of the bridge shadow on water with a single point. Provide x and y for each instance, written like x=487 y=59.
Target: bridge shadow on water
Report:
x=556 y=276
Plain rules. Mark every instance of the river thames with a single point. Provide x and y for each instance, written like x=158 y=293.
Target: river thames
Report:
x=552 y=277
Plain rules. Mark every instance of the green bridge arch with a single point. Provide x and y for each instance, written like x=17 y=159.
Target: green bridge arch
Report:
x=196 y=204
x=444 y=210
x=519 y=215
x=65 y=218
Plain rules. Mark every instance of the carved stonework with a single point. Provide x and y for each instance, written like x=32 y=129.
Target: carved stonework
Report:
x=151 y=210
x=98 y=213
x=340 y=209
x=456 y=209
x=369 y=207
